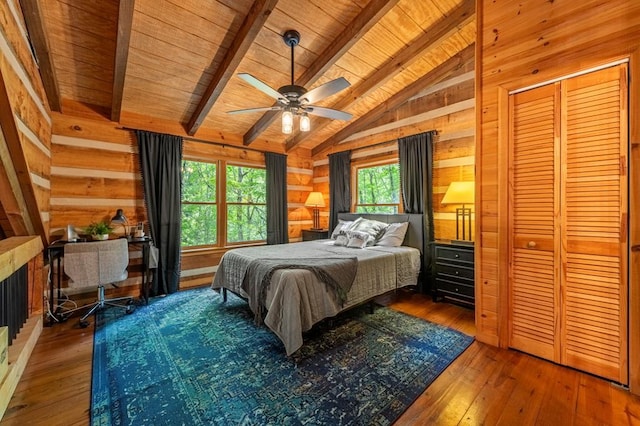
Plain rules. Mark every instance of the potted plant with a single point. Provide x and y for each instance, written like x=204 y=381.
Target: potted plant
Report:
x=99 y=230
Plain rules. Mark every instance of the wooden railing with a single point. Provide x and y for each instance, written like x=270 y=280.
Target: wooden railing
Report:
x=21 y=305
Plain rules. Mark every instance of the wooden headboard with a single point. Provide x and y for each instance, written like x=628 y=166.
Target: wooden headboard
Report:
x=415 y=233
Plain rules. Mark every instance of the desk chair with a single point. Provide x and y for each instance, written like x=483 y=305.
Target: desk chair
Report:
x=97 y=263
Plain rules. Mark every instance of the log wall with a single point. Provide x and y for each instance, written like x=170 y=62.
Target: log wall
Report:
x=447 y=107
x=26 y=131
x=95 y=170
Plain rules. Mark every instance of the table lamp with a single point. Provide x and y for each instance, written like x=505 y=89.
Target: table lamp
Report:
x=315 y=200
x=121 y=219
x=461 y=193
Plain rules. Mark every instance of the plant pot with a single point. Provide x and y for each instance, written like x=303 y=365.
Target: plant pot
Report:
x=100 y=237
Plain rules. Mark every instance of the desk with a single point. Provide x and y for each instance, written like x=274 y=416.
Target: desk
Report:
x=55 y=252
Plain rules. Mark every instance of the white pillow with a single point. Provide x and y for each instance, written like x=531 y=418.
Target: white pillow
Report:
x=393 y=235
x=359 y=239
x=341 y=240
x=343 y=226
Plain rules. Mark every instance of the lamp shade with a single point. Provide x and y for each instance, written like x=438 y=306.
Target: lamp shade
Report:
x=460 y=193
x=119 y=217
x=287 y=122
x=315 y=199
x=305 y=123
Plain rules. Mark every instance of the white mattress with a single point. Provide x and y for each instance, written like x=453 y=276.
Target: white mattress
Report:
x=296 y=299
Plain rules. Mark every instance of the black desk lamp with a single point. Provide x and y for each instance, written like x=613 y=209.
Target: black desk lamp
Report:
x=121 y=219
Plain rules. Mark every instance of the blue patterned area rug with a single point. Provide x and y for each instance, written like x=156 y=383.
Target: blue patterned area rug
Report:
x=190 y=359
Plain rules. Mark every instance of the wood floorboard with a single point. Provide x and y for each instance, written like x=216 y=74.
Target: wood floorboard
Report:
x=484 y=386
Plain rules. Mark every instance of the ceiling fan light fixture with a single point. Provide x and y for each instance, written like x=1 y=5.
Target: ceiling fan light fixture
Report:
x=305 y=122
x=287 y=122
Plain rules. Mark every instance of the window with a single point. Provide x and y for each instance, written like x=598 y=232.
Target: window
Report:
x=222 y=203
x=378 y=189
x=246 y=204
x=199 y=206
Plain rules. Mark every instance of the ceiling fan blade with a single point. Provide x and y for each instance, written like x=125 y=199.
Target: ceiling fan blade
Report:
x=325 y=90
x=263 y=87
x=334 y=114
x=259 y=109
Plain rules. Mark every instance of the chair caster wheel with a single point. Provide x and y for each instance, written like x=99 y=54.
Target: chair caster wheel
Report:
x=84 y=323
x=130 y=309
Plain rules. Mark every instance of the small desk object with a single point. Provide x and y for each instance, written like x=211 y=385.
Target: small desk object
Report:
x=55 y=253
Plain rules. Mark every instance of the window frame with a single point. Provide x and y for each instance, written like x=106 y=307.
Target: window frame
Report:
x=221 y=203
x=355 y=168
x=225 y=208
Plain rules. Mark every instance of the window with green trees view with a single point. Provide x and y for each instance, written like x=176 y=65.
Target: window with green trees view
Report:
x=246 y=204
x=378 y=189
x=242 y=198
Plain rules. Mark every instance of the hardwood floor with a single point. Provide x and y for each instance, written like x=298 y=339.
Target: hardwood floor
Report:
x=485 y=385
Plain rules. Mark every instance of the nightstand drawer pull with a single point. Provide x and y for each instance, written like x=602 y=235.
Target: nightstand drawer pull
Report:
x=457 y=256
x=531 y=244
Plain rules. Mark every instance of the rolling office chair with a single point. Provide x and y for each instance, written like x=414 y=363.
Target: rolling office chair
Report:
x=97 y=263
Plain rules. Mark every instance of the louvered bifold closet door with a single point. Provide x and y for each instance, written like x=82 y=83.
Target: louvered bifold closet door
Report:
x=594 y=284
x=533 y=203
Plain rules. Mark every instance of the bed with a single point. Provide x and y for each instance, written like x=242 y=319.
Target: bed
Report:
x=291 y=298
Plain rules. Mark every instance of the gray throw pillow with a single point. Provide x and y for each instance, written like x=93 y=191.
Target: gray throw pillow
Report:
x=372 y=227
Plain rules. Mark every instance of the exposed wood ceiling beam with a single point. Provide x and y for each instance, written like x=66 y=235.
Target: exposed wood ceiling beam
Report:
x=31 y=9
x=353 y=32
x=251 y=26
x=430 y=39
x=125 y=21
x=436 y=75
x=25 y=217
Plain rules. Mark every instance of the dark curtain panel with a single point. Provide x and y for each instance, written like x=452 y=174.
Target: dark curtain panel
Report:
x=161 y=167
x=416 y=179
x=277 y=222
x=339 y=186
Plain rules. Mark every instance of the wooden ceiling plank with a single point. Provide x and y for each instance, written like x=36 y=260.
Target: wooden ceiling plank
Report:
x=125 y=22
x=27 y=218
x=435 y=76
x=429 y=40
x=33 y=17
x=253 y=23
x=353 y=32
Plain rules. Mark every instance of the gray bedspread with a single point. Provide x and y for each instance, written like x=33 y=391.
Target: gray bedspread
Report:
x=296 y=299
x=337 y=273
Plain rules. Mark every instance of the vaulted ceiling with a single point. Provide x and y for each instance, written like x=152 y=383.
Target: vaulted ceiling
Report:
x=177 y=61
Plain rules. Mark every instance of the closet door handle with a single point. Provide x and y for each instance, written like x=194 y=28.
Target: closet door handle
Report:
x=531 y=244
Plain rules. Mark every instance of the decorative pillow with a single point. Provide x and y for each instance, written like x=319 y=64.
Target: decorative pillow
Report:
x=341 y=240
x=393 y=235
x=343 y=226
x=359 y=239
x=372 y=227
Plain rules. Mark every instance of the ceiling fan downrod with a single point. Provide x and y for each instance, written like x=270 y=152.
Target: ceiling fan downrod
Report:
x=291 y=38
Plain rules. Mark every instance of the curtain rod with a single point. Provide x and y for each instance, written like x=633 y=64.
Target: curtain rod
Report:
x=435 y=133
x=224 y=145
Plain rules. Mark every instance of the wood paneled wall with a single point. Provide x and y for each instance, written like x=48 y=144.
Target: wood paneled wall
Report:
x=520 y=44
x=95 y=170
x=447 y=107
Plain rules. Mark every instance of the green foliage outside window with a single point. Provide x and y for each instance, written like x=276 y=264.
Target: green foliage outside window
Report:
x=199 y=208
x=246 y=204
x=378 y=189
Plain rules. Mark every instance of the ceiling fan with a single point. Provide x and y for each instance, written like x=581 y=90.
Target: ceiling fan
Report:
x=296 y=100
